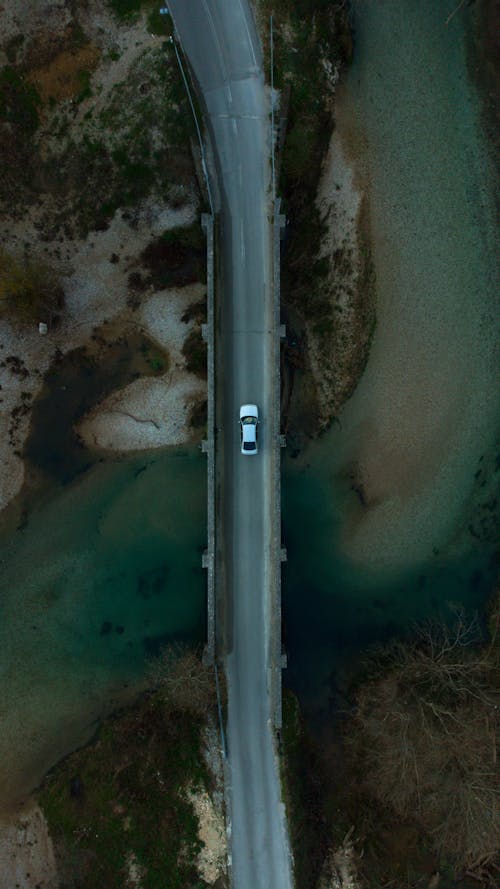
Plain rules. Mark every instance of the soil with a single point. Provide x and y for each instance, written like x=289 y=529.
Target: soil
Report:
x=26 y=852
x=64 y=76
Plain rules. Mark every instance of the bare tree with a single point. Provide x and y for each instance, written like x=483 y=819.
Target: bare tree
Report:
x=425 y=730
x=184 y=680
x=29 y=291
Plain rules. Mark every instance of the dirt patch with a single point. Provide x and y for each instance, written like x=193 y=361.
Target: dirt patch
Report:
x=67 y=75
x=146 y=414
x=212 y=834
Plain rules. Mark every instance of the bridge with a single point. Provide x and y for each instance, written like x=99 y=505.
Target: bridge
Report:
x=244 y=551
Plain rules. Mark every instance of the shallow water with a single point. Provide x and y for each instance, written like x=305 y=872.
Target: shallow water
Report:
x=104 y=572
x=396 y=507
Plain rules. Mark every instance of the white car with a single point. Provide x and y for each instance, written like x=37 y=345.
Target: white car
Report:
x=249 y=421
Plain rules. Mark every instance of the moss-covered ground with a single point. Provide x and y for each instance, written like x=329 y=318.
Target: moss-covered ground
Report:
x=117 y=807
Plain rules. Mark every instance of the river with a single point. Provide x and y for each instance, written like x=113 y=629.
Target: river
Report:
x=387 y=520
x=102 y=573
x=390 y=517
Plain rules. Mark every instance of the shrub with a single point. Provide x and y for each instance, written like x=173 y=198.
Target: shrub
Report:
x=19 y=101
x=185 y=683
x=195 y=353
x=126 y=9
x=29 y=292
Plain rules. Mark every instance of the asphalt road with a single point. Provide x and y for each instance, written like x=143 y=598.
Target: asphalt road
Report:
x=219 y=39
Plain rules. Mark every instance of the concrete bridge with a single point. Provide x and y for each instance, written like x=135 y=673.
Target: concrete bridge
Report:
x=244 y=550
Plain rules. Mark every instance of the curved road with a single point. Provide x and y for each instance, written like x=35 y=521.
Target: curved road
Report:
x=219 y=39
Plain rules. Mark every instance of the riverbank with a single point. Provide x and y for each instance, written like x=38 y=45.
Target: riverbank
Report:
x=76 y=204
x=338 y=356
x=97 y=316
x=391 y=516
x=327 y=279
x=354 y=822
x=26 y=850
x=125 y=812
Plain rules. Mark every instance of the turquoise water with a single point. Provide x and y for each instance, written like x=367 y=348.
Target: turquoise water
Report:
x=106 y=569
x=335 y=607
x=102 y=574
x=391 y=517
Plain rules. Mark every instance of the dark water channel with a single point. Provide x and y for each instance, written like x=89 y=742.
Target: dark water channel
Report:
x=74 y=384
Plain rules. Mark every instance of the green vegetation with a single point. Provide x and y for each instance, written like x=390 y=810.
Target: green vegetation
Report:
x=176 y=258
x=135 y=145
x=115 y=157
x=19 y=102
x=121 y=801
x=128 y=10
x=29 y=291
x=188 y=236
x=77 y=36
x=198 y=416
x=304 y=780
x=195 y=353
x=159 y=24
x=309 y=36
x=13 y=46
x=120 y=805
x=85 y=91
x=156 y=361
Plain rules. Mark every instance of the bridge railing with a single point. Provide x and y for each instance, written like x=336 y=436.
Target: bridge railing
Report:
x=279 y=553
x=208 y=445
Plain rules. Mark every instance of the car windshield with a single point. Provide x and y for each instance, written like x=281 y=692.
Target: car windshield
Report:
x=247 y=420
x=248 y=445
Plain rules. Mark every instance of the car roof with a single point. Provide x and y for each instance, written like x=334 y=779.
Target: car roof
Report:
x=249 y=432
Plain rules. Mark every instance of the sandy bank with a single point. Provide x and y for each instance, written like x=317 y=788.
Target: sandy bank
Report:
x=424 y=412
x=96 y=291
x=338 y=354
x=98 y=79
x=26 y=852
x=152 y=412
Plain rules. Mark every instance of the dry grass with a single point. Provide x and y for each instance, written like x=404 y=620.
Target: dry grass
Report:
x=64 y=76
